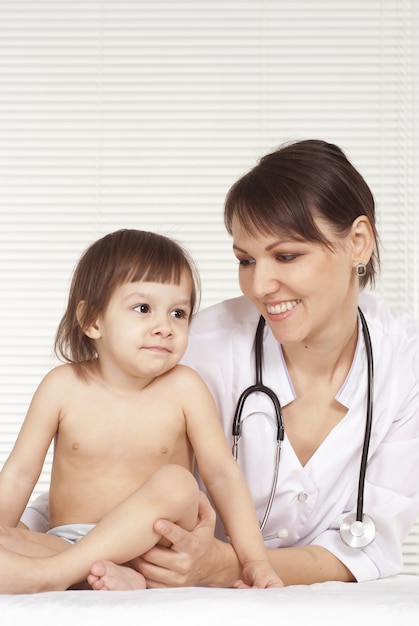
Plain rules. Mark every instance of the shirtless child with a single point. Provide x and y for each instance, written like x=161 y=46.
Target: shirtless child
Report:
x=127 y=422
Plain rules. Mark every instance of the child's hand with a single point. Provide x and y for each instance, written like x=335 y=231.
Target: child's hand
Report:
x=259 y=574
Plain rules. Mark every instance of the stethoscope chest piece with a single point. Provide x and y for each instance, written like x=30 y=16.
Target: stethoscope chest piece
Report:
x=355 y=533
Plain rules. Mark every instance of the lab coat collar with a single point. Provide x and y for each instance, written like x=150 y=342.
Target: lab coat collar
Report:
x=279 y=378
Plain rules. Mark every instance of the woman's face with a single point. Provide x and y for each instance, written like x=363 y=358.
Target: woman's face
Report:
x=305 y=290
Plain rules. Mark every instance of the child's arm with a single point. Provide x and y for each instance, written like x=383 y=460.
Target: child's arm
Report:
x=226 y=485
x=21 y=470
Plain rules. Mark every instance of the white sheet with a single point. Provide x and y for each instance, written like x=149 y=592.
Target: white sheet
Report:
x=386 y=601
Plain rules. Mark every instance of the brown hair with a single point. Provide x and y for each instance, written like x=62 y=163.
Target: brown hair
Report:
x=292 y=186
x=119 y=257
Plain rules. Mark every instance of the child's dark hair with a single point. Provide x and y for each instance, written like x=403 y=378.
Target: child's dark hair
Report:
x=123 y=256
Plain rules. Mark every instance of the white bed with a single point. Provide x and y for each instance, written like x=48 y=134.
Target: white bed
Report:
x=385 y=601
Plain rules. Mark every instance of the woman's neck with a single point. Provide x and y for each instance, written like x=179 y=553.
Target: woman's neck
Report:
x=329 y=356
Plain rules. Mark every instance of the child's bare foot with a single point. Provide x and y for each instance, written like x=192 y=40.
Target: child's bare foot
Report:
x=107 y=576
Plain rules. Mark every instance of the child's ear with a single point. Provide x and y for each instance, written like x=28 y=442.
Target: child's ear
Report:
x=92 y=331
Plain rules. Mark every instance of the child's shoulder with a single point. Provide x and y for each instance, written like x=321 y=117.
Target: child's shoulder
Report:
x=61 y=375
x=185 y=380
x=183 y=374
x=58 y=383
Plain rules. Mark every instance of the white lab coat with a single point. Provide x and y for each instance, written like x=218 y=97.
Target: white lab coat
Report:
x=311 y=501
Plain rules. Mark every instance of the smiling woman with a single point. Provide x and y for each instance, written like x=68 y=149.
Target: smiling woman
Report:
x=303 y=228
x=297 y=252
x=297 y=284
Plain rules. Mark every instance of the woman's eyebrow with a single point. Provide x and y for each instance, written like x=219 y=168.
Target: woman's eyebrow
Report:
x=238 y=249
x=269 y=247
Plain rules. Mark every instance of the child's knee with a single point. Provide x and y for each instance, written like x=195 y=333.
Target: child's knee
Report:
x=178 y=483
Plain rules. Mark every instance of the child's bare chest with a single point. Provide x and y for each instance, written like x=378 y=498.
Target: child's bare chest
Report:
x=123 y=434
x=108 y=444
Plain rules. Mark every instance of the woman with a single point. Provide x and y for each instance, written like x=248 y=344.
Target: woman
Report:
x=303 y=228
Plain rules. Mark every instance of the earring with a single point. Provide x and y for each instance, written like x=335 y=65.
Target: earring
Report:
x=361 y=269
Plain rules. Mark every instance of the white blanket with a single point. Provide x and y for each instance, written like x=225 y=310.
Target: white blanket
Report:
x=393 y=600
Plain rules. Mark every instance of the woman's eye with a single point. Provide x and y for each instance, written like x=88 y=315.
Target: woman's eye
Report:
x=142 y=308
x=286 y=258
x=245 y=262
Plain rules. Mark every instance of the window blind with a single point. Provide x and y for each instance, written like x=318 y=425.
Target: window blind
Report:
x=127 y=113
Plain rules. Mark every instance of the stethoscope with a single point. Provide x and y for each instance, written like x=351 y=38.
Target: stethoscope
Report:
x=357 y=529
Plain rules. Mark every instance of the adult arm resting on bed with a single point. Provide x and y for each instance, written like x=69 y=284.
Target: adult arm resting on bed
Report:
x=198 y=558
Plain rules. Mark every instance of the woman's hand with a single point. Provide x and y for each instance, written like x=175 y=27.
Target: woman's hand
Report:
x=259 y=574
x=189 y=560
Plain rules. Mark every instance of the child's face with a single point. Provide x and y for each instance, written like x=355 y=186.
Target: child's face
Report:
x=144 y=331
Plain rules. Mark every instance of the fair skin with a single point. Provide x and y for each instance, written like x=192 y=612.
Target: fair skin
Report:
x=308 y=295
x=124 y=443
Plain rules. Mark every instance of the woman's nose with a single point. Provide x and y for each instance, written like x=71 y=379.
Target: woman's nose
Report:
x=264 y=281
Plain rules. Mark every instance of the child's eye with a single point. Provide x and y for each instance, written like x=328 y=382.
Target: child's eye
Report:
x=142 y=308
x=179 y=314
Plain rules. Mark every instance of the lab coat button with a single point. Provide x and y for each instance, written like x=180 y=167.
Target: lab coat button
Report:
x=302 y=496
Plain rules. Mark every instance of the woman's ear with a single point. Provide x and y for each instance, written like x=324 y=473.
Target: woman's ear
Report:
x=92 y=331
x=362 y=238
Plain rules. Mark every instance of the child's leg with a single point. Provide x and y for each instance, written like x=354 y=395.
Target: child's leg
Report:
x=127 y=531
x=31 y=543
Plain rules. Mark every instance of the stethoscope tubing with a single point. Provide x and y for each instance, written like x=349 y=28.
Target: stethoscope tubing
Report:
x=368 y=421
x=356 y=530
